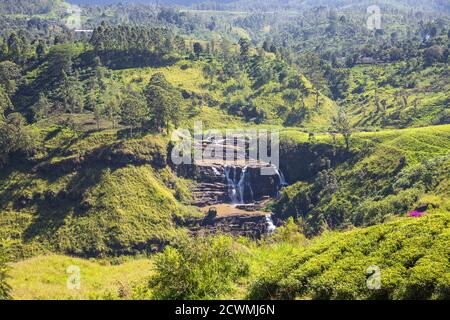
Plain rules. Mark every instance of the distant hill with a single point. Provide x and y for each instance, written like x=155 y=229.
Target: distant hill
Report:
x=27 y=6
x=437 y=5
x=178 y=2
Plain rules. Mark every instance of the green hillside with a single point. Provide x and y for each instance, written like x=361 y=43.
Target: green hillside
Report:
x=387 y=173
x=398 y=95
x=87 y=179
x=91 y=195
x=412 y=255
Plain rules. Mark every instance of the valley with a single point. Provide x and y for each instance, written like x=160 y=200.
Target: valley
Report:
x=104 y=197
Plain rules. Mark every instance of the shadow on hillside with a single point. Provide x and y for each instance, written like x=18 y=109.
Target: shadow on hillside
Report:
x=52 y=208
x=119 y=59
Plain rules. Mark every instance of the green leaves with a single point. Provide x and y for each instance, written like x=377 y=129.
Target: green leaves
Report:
x=411 y=254
x=198 y=268
x=163 y=103
x=15 y=137
x=5 y=289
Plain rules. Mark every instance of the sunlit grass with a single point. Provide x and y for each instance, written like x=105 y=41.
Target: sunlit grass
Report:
x=45 y=277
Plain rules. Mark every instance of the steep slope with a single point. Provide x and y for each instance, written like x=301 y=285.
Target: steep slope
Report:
x=91 y=195
x=410 y=255
x=384 y=174
x=398 y=95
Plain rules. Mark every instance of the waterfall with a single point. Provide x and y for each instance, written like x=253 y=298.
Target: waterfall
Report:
x=270 y=225
x=237 y=186
x=232 y=188
x=280 y=175
x=239 y=181
x=244 y=183
x=241 y=185
x=282 y=181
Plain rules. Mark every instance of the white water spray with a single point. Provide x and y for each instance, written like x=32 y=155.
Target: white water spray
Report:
x=270 y=225
x=232 y=189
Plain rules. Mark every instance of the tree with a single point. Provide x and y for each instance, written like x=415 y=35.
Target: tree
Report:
x=98 y=111
x=244 y=45
x=15 y=137
x=41 y=109
x=60 y=61
x=15 y=48
x=40 y=50
x=10 y=73
x=112 y=104
x=198 y=50
x=5 y=103
x=200 y=268
x=3 y=50
x=433 y=54
x=133 y=111
x=341 y=124
x=70 y=93
x=163 y=102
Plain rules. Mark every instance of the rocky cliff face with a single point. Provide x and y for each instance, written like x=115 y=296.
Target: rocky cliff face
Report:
x=230 y=184
x=232 y=193
x=248 y=225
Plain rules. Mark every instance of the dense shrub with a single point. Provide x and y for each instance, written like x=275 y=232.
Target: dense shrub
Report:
x=198 y=268
x=4 y=287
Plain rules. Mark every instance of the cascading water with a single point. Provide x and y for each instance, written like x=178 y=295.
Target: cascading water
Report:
x=241 y=185
x=280 y=175
x=281 y=179
x=270 y=225
x=230 y=173
x=237 y=187
x=244 y=183
x=240 y=188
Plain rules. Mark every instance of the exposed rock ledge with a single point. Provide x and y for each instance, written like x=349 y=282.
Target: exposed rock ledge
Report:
x=231 y=220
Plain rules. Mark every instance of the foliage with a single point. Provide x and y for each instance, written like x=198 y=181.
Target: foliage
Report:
x=388 y=175
x=342 y=125
x=5 y=289
x=410 y=252
x=93 y=197
x=199 y=268
x=163 y=102
x=15 y=138
x=133 y=112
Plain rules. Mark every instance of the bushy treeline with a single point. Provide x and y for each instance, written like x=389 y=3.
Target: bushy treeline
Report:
x=196 y=268
x=29 y=7
x=406 y=259
x=126 y=46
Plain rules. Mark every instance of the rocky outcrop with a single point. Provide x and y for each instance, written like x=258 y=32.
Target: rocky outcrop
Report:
x=207 y=194
x=230 y=184
x=252 y=226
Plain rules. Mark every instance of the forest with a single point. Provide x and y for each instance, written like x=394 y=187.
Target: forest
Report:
x=87 y=116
